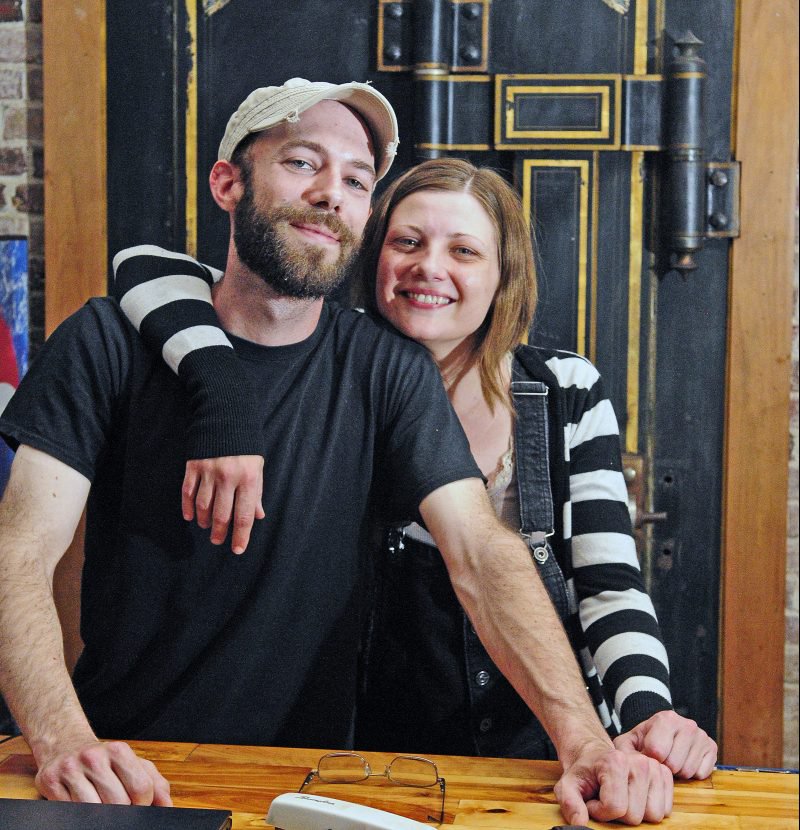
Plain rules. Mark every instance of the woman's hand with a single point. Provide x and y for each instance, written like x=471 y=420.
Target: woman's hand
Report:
x=216 y=490
x=677 y=742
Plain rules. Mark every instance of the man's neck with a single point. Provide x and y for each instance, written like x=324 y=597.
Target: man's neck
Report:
x=253 y=310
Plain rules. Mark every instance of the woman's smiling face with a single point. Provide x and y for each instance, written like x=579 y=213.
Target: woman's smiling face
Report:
x=438 y=270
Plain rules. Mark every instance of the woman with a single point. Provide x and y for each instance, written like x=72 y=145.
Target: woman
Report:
x=446 y=258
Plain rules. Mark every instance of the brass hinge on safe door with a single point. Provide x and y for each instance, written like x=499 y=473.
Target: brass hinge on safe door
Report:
x=433 y=35
x=700 y=198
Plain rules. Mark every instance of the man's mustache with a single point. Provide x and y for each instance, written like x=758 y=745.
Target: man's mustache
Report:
x=316 y=216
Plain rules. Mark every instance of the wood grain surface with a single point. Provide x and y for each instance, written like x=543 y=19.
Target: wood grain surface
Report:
x=495 y=793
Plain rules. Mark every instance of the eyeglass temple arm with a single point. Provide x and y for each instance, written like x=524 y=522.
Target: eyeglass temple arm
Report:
x=309 y=778
x=442 y=787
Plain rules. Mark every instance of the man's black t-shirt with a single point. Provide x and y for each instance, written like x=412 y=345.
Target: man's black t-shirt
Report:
x=183 y=639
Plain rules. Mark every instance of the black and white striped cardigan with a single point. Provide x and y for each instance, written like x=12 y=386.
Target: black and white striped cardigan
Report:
x=614 y=628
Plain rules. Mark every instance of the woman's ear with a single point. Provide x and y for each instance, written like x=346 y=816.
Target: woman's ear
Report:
x=226 y=184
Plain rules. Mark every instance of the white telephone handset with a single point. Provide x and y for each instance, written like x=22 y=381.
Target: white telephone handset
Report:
x=303 y=811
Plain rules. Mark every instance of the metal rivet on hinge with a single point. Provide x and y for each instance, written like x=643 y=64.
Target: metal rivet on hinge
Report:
x=718 y=178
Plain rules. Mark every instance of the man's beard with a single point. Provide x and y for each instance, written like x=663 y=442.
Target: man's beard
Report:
x=290 y=267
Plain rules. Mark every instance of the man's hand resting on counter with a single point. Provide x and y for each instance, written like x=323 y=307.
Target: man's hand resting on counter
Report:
x=606 y=784
x=101 y=772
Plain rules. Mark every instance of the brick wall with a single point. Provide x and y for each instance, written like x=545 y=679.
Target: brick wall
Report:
x=21 y=158
x=790 y=723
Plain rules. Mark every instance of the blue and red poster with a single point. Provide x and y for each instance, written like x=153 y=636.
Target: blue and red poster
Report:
x=13 y=329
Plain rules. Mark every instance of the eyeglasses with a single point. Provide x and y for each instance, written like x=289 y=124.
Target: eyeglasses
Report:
x=352 y=768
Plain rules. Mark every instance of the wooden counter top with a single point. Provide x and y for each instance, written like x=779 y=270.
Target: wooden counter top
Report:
x=482 y=793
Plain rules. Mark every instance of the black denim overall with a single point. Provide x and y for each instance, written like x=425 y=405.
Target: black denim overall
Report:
x=430 y=686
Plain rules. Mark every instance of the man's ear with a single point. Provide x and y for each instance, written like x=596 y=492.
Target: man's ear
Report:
x=226 y=184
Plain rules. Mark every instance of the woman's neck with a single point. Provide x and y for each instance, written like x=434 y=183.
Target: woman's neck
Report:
x=488 y=429
x=455 y=364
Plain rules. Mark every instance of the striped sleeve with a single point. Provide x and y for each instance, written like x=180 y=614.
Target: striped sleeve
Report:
x=167 y=298
x=615 y=612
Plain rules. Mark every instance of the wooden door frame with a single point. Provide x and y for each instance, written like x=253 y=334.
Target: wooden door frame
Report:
x=756 y=455
x=759 y=335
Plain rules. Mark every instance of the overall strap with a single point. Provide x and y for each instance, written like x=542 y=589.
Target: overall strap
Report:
x=533 y=474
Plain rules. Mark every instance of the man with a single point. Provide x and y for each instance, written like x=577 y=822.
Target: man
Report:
x=183 y=642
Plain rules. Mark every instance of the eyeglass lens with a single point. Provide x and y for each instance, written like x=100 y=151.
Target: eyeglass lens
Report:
x=342 y=768
x=413 y=772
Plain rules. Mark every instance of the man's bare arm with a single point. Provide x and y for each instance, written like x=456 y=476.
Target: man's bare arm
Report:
x=500 y=590
x=39 y=512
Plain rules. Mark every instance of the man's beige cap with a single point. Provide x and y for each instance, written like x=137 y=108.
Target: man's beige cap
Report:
x=270 y=105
